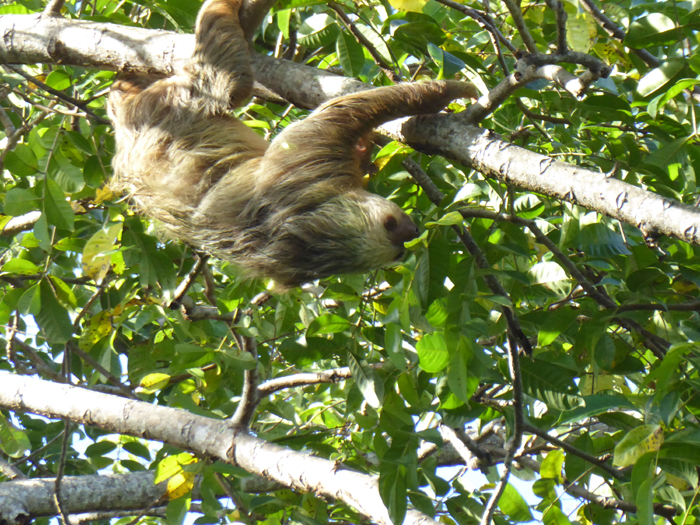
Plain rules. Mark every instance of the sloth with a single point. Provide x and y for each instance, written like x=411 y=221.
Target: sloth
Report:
x=293 y=210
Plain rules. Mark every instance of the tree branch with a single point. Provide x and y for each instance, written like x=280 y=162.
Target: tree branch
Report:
x=612 y=29
x=203 y=435
x=558 y=8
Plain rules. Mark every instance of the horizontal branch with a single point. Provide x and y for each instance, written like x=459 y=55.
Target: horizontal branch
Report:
x=34 y=498
x=28 y=39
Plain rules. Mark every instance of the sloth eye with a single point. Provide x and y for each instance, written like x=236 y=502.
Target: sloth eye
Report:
x=390 y=223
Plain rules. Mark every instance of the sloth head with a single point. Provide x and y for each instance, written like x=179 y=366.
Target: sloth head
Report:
x=353 y=233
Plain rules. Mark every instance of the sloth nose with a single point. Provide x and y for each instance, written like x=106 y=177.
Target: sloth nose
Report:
x=405 y=230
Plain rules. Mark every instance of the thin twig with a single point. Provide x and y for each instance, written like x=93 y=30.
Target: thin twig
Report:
x=656 y=344
x=524 y=32
x=616 y=473
x=188 y=281
x=249 y=397
x=612 y=29
x=436 y=196
x=12 y=141
x=101 y=369
x=558 y=8
x=484 y=20
x=514 y=442
x=67 y=98
x=53 y=9
x=59 y=475
x=536 y=116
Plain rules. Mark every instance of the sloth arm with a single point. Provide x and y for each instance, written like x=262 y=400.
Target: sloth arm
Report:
x=220 y=65
x=324 y=145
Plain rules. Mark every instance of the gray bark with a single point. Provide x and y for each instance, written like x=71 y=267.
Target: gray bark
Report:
x=215 y=438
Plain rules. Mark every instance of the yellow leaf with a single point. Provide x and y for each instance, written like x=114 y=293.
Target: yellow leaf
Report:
x=408 y=5
x=100 y=325
x=153 y=382
x=637 y=442
x=578 y=34
x=180 y=485
x=96 y=256
x=103 y=194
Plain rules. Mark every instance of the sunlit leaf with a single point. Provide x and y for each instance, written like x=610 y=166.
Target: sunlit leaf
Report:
x=637 y=442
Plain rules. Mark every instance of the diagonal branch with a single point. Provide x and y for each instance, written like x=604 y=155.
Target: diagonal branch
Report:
x=202 y=435
x=612 y=29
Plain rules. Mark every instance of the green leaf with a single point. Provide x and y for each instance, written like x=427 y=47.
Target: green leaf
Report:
x=350 y=54
x=13 y=441
x=553 y=515
x=19 y=201
x=655 y=29
x=657 y=78
x=513 y=505
x=557 y=321
x=21 y=161
x=97 y=253
x=668 y=153
x=393 y=343
x=20 y=267
x=69 y=177
x=578 y=34
x=551 y=466
x=58 y=211
x=328 y=324
x=318 y=30
x=53 y=318
x=595 y=405
x=597 y=240
x=658 y=104
x=432 y=352
x=645 y=503
x=438 y=56
x=439 y=252
x=367 y=381
x=637 y=442
x=551 y=274
x=58 y=79
x=550 y=383
x=30 y=301
x=393 y=490
x=376 y=41
x=449 y=219
x=457 y=377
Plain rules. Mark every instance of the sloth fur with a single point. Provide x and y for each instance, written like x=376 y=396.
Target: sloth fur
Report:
x=294 y=209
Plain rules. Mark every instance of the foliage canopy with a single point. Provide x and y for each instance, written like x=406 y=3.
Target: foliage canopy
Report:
x=606 y=407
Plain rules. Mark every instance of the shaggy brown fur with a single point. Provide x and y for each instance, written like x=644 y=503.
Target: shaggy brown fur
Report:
x=293 y=210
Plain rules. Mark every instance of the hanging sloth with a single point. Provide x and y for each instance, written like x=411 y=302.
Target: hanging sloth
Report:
x=294 y=209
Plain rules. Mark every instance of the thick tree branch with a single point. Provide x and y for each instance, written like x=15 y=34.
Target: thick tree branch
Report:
x=202 y=435
x=34 y=498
